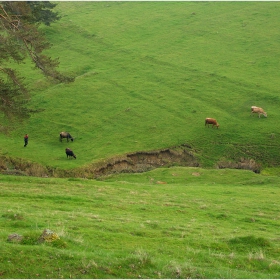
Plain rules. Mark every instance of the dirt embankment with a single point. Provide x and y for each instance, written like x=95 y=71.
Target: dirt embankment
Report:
x=133 y=162
x=144 y=161
x=183 y=155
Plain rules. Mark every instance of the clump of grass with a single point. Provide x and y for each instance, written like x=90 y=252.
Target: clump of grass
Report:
x=13 y=216
x=58 y=243
x=249 y=242
x=139 y=258
x=31 y=238
x=256 y=255
x=186 y=271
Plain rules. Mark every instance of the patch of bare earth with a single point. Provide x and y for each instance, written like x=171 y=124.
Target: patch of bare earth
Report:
x=144 y=161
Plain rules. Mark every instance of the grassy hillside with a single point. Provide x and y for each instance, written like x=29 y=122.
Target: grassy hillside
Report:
x=199 y=224
x=147 y=75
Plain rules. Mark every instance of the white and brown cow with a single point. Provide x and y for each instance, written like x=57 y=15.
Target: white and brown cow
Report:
x=65 y=135
x=258 y=110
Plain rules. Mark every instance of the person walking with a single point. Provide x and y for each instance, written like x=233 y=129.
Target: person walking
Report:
x=25 y=140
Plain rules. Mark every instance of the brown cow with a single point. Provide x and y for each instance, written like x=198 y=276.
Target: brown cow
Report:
x=211 y=121
x=258 y=110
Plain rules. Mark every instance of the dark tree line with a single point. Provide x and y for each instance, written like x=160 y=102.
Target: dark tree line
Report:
x=21 y=38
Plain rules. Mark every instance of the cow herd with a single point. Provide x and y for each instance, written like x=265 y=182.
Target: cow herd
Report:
x=68 y=151
x=254 y=109
x=208 y=121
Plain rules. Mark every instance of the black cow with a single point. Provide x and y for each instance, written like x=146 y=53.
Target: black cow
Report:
x=65 y=135
x=70 y=153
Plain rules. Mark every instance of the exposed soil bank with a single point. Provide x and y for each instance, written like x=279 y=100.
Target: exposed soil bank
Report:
x=133 y=162
x=144 y=161
x=183 y=155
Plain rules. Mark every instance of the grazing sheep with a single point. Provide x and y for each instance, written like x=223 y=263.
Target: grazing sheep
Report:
x=70 y=153
x=258 y=110
x=211 y=121
x=65 y=135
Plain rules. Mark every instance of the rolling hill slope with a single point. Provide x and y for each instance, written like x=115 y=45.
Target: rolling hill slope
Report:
x=147 y=75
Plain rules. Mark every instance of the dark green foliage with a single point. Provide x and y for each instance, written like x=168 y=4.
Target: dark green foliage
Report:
x=42 y=12
x=21 y=38
x=14 y=96
x=32 y=11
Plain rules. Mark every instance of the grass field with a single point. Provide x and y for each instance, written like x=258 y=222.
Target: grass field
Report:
x=147 y=75
x=199 y=224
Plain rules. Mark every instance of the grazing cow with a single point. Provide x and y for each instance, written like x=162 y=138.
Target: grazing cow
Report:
x=65 y=135
x=70 y=153
x=211 y=121
x=258 y=110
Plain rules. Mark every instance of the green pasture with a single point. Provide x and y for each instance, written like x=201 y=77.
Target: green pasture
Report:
x=148 y=74
x=167 y=223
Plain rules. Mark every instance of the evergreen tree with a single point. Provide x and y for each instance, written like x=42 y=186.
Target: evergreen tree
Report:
x=42 y=12
x=21 y=38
